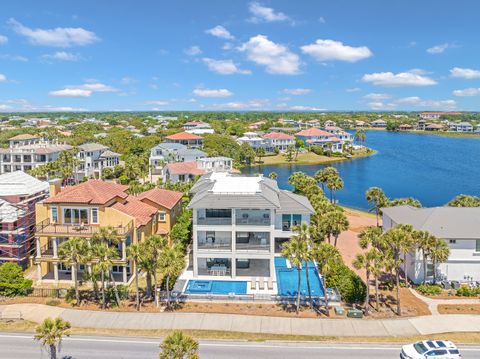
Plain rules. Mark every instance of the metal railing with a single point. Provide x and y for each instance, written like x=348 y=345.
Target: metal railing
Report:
x=216 y=245
x=256 y=221
x=215 y=221
x=47 y=227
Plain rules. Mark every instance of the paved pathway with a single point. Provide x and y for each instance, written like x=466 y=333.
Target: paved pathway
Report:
x=434 y=303
x=252 y=324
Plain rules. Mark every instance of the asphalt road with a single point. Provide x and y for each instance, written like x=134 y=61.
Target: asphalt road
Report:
x=15 y=345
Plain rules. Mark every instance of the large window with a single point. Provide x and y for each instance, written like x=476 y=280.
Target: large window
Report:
x=218 y=213
x=290 y=220
x=95 y=215
x=54 y=214
x=75 y=215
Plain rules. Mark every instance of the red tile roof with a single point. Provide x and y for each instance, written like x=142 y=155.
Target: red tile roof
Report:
x=441 y=113
x=183 y=136
x=90 y=192
x=313 y=132
x=24 y=136
x=162 y=197
x=181 y=168
x=278 y=135
x=141 y=211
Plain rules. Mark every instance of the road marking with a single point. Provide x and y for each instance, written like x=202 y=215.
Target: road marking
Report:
x=234 y=345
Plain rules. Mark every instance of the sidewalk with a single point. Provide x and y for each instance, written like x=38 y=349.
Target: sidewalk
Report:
x=434 y=303
x=251 y=324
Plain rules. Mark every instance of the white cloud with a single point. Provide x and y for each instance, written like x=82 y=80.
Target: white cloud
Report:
x=377 y=96
x=157 y=103
x=252 y=104
x=354 y=89
x=127 y=80
x=3 y=78
x=224 y=67
x=71 y=92
x=297 y=91
x=57 y=37
x=426 y=104
x=3 y=40
x=95 y=87
x=305 y=108
x=379 y=106
x=322 y=20
x=221 y=32
x=331 y=50
x=261 y=13
x=62 y=56
x=465 y=73
x=212 y=93
x=472 y=91
x=412 y=100
x=13 y=57
x=193 y=51
x=408 y=78
x=4 y=107
x=277 y=58
x=438 y=49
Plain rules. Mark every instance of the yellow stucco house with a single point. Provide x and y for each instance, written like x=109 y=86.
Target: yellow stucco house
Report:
x=81 y=210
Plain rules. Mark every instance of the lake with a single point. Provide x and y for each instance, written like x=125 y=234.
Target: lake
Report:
x=431 y=168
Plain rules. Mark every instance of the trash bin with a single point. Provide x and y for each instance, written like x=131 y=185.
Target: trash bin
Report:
x=355 y=313
x=339 y=310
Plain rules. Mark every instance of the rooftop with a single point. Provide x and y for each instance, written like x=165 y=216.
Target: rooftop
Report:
x=184 y=136
x=278 y=135
x=313 y=132
x=19 y=183
x=162 y=197
x=25 y=136
x=92 y=147
x=180 y=168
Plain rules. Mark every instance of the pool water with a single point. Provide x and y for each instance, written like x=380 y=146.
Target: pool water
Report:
x=287 y=279
x=216 y=287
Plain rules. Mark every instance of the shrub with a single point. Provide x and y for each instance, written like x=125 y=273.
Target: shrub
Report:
x=12 y=282
x=466 y=291
x=427 y=289
x=318 y=150
x=351 y=287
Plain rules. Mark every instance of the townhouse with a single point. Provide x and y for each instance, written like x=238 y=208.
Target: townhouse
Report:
x=253 y=139
x=240 y=224
x=278 y=141
x=458 y=226
x=93 y=159
x=81 y=210
x=437 y=115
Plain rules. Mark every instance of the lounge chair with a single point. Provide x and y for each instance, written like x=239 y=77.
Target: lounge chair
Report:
x=270 y=283
x=261 y=284
x=253 y=283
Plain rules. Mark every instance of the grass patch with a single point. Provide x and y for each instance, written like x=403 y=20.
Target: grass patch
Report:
x=308 y=158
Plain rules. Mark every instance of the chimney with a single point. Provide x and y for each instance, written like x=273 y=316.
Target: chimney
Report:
x=55 y=186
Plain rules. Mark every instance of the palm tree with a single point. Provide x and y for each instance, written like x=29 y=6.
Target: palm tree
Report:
x=133 y=254
x=171 y=263
x=334 y=184
x=360 y=136
x=302 y=232
x=260 y=152
x=179 y=346
x=273 y=175
x=324 y=174
x=377 y=199
x=294 y=250
x=104 y=256
x=155 y=244
x=440 y=253
x=50 y=334
x=366 y=261
x=333 y=223
x=425 y=242
x=74 y=252
x=327 y=257
x=394 y=240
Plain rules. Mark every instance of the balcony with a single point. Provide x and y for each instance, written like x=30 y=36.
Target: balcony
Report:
x=215 y=221
x=48 y=228
x=256 y=241
x=214 y=240
x=252 y=217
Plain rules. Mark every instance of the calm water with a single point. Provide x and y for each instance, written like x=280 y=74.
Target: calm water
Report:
x=433 y=169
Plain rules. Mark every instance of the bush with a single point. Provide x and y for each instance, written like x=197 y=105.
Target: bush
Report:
x=466 y=291
x=12 y=282
x=351 y=287
x=318 y=150
x=427 y=289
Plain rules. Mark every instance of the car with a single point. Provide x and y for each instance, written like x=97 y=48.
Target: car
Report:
x=443 y=349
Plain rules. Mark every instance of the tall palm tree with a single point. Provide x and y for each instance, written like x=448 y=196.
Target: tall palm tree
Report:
x=171 y=263
x=302 y=232
x=105 y=256
x=366 y=261
x=156 y=244
x=333 y=223
x=360 y=136
x=324 y=174
x=440 y=253
x=73 y=252
x=394 y=240
x=424 y=242
x=294 y=250
x=327 y=257
x=377 y=199
x=179 y=346
x=133 y=254
x=51 y=332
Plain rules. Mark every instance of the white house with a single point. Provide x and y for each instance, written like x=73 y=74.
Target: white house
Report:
x=198 y=128
x=239 y=225
x=458 y=226
x=253 y=139
x=278 y=140
x=166 y=152
x=94 y=158
x=460 y=126
x=379 y=123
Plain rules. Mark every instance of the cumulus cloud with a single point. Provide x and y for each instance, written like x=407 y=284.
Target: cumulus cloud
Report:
x=465 y=73
x=468 y=92
x=71 y=92
x=438 y=49
x=57 y=37
x=62 y=56
x=408 y=78
x=157 y=103
x=377 y=96
x=3 y=78
x=298 y=91
x=251 y=104
x=381 y=106
x=193 y=50
x=212 y=92
x=261 y=13
x=221 y=32
x=413 y=101
x=277 y=58
x=224 y=67
x=304 y=108
x=331 y=50
x=3 y=40
x=13 y=57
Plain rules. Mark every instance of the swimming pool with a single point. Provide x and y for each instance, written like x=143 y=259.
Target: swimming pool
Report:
x=216 y=287
x=287 y=279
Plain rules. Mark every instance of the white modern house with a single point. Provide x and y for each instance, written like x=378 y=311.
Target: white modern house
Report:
x=94 y=158
x=460 y=126
x=278 y=141
x=253 y=139
x=239 y=225
x=458 y=226
x=198 y=128
x=166 y=152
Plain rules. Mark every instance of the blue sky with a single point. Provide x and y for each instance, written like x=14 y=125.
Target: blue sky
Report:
x=240 y=55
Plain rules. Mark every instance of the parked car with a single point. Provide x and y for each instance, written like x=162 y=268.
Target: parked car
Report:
x=443 y=349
